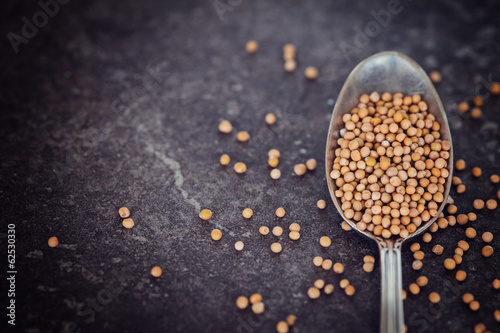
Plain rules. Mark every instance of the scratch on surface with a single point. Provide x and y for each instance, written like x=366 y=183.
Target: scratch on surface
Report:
x=179 y=178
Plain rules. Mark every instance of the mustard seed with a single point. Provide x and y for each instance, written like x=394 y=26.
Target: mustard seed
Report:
x=480 y=328
x=435 y=76
x=478 y=101
x=350 y=290
x=368 y=258
x=434 y=297
x=327 y=264
x=496 y=284
x=156 y=271
x=240 y=167
x=452 y=209
x=450 y=264
x=368 y=267
x=242 y=302
x=273 y=161
x=294 y=235
x=457 y=259
x=422 y=281
x=225 y=127
x=414 y=289
x=321 y=204
x=239 y=246
x=205 y=214
x=290 y=319
x=313 y=293
x=456 y=180
x=487 y=251
x=300 y=169
x=317 y=261
x=128 y=223
x=419 y=255
x=247 y=213
x=478 y=204
x=415 y=247
x=343 y=283
x=274 y=153
x=495 y=179
x=325 y=241
x=53 y=241
x=338 y=268
x=474 y=305
x=251 y=46
x=290 y=65
x=437 y=249
x=277 y=231
x=460 y=275
x=487 y=237
x=491 y=204
x=417 y=265
x=461 y=188
x=289 y=52
x=328 y=289
x=311 y=164
x=225 y=159
x=319 y=283
x=294 y=227
x=403 y=294
x=460 y=165
x=470 y=232
x=280 y=212
x=124 y=212
x=427 y=237
x=345 y=226
x=462 y=219
x=471 y=217
x=282 y=327
x=243 y=136
x=276 y=247
x=275 y=174
x=463 y=107
x=476 y=172
x=311 y=73
x=476 y=113
x=258 y=308
x=216 y=234
x=463 y=245
x=264 y=230
x=496 y=314
x=495 y=88
x=270 y=119
x=467 y=298
x=255 y=298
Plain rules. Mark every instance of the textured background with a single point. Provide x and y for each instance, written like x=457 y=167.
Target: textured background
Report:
x=83 y=132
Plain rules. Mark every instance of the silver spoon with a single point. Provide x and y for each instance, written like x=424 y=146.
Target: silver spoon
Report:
x=387 y=72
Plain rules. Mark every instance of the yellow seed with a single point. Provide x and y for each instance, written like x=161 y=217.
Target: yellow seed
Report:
x=435 y=76
x=487 y=237
x=470 y=232
x=311 y=73
x=467 y=298
x=290 y=65
x=422 y=281
x=264 y=230
x=275 y=174
x=294 y=227
x=460 y=165
x=239 y=246
x=327 y=264
x=495 y=179
x=350 y=290
x=282 y=327
x=276 y=247
x=317 y=261
x=491 y=204
x=313 y=293
x=463 y=245
x=478 y=204
x=225 y=127
x=343 y=283
x=474 y=305
x=345 y=226
x=368 y=267
x=274 y=153
x=280 y=212
x=476 y=172
x=325 y=241
x=368 y=258
x=338 y=268
x=273 y=161
x=417 y=265
x=240 y=167
x=124 y=212
x=300 y=169
x=255 y=298
x=247 y=213
x=460 y=275
x=487 y=251
x=53 y=241
x=311 y=164
x=328 y=289
x=216 y=234
x=319 y=283
x=258 y=308
x=225 y=159
x=476 y=113
x=434 y=297
x=252 y=46
x=243 y=136
x=414 y=288
x=156 y=271
x=463 y=107
x=128 y=223
x=438 y=249
x=427 y=237
x=449 y=264
x=321 y=204
x=270 y=118
x=294 y=235
x=290 y=319
x=205 y=214
x=242 y=302
x=277 y=231
x=370 y=161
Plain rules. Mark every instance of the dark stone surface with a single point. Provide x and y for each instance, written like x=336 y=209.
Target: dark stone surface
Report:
x=76 y=146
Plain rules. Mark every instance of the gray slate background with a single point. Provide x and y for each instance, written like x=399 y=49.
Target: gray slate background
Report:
x=81 y=135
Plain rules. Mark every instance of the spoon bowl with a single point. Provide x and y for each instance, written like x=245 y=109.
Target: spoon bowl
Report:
x=387 y=72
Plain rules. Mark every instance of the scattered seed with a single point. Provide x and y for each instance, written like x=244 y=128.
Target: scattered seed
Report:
x=240 y=167
x=368 y=267
x=313 y=293
x=328 y=289
x=273 y=161
x=124 y=212
x=463 y=245
x=274 y=153
x=300 y=169
x=311 y=164
x=476 y=172
x=435 y=76
x=321 y=204
x=427 y=237
x=156 y=271
x=414 y=288
x=403 y=294
x=275 y=174
x=457 y=259
x=467 y=298
x=462 y=219
x=225 y=159
x=495 y=179
x=225 y=127
x=474 y=305
x=496 y=284
x=252 y=46
x=472 y=217
x=247 y=213
x=495 y=88
x=460 y=165
x=478 y=101
x=476 y=113
x=461 y=188
x=277 y=231
x=434 y=297
x=491 y=204
x=327 y=264
x=216 y=234
x=480 y=328
x=350 y=290
x=470 y=232
x=368 y=258
x=417 y=265
x=264 y=230
x=422 y=281
x=270 y=118
x=294 y=235
x=289 y=52
x=276 y=247
x=282 y=327
x=452 y=209
x=243 y=136
x=487 y=237
x=496 y=314
x=478 y=204
x=280 y=212
x=53 y=241
x=319 y=283
x=345 y=226
x=450 y=264
x=128 y=223
x=325 y=241
x=311 y=73
x=463 y=107
x=239 y=246
x=290 y=65
x=242 y=302
x=294 y=227
x=317 y=261
x=255 y=298
x=456 y=180
x=415 y=247
x=290 y=319
x=460 y=275
x=343 y=283
x=487 y=251
x=437 y=249
x=338 y=268
x=258 y=308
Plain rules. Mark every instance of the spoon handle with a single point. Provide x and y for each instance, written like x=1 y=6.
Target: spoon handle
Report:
x=391 y=320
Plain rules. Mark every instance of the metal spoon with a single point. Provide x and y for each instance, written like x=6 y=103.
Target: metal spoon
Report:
x=387 y=72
